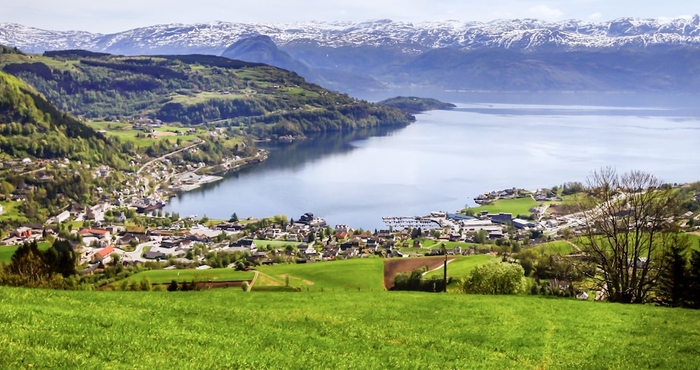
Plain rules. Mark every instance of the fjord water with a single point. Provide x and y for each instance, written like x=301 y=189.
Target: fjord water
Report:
x=446 y=158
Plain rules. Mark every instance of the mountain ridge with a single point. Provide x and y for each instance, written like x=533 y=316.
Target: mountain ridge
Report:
x=383 y=55
x=215 y=37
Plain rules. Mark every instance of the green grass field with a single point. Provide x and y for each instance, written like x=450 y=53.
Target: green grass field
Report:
x=520 y=206
x=227 y=328
x=461 y=267
x=275 y=243
x=166 y=276
x=695 y=239
x=360 y=273
x=6 y=252
x=125 y=132
x=10 y=211
x=557 y=247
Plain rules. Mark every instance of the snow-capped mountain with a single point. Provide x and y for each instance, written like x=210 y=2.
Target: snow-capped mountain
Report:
x=409 y=37
x=626 y=54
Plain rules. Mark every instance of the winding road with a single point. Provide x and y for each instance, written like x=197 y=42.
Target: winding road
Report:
x=163 y=157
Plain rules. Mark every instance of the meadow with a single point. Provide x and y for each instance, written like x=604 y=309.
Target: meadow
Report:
x=362 y=274
x=461 y=267
x=126 y=132
x=214 y=275
x=519 y=206
x=10 y=212
x=228 y=329
x=6 y=252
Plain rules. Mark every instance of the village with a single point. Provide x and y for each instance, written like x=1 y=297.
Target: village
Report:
x=128 y=227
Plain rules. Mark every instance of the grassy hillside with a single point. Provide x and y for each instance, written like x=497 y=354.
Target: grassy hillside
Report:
x=461 y=267
x=214 y=275
x=363 y=274
x=227 y=328
x=518 y=206
x=193 y=89
x=6 y=252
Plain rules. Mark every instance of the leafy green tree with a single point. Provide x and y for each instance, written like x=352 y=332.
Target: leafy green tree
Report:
x=480 y=237
x=28 y=263
x=234 y=217
x=495 y=278
x=145 y=284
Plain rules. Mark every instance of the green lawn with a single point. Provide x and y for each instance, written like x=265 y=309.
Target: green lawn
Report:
x=166 y=276
x=11 y=211
x=353 y=274
x=227 y=328
x=520 y=206
x=461 y=267
x=277 y=244
x=695 y=239
x=6 y=252
x=202 y=97
x=557 y=247
x=125 y=132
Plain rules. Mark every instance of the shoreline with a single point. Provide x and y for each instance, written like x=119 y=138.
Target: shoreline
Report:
x=259 y=157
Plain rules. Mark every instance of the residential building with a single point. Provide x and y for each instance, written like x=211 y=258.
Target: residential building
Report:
x=103 y=255
x=22 y=232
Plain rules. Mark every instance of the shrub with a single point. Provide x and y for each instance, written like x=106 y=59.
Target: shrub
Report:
x=495 y=278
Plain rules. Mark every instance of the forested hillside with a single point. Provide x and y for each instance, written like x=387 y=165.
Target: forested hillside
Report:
x=193 y=89
x=412 y=104
x=32 y=127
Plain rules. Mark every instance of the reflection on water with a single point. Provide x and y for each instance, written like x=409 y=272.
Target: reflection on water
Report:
x=447 y=157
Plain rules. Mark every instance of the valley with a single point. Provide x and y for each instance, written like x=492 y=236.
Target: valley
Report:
x=281 y=192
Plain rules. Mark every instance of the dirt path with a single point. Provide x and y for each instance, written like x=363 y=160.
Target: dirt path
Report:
x=437 y=268
x=574 y=245
x=252 y=282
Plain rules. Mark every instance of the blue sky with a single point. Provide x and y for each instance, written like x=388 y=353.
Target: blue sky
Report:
x=113 y=16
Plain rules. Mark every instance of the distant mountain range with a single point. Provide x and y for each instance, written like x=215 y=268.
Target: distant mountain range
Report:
x=621 y=55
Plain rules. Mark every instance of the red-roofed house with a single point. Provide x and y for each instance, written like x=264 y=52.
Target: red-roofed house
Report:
x=22 y=233
x=103 y=255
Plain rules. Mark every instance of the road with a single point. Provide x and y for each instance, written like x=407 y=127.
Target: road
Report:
x=145 y=179
x=136 y=254
x=163 y=157
x=33 y=171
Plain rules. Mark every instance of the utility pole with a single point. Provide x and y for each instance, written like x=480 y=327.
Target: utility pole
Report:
x=444 y=270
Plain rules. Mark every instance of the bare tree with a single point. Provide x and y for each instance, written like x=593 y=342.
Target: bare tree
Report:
x=628 y=231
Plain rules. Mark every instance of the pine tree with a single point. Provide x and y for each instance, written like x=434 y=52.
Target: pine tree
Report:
x=694 y=280
x=672 y=284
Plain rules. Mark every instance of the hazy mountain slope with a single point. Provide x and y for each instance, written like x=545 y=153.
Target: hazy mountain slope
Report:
x=383 y=54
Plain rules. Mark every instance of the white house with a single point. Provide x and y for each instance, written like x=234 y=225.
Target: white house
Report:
x=62 y=217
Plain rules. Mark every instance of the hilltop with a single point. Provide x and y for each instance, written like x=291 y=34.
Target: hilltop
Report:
x=259 y=100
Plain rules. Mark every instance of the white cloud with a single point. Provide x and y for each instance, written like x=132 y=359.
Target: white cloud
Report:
x=545 y=12
x=595 y=16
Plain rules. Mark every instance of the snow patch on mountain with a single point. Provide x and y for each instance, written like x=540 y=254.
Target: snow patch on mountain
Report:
x=524 y=34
